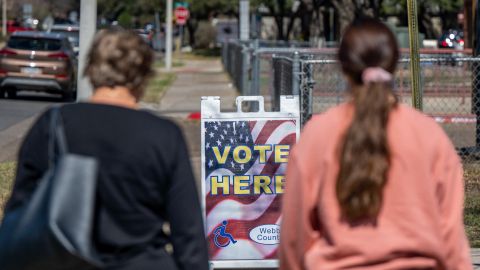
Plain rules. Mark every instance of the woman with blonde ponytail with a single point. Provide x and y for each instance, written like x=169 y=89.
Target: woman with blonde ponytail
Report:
x=373 y=184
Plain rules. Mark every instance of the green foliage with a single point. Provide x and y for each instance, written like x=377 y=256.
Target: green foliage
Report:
x=396 y=7
x=212 y=53
x=157 y=86
x=274 y=5
x=203 y=9
x=443 y=5
x=205 y=35
x=393 y=7
x=142 y=9
x=125 y=20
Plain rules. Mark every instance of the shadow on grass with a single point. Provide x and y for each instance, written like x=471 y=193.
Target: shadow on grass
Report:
x=214 y=52
x=7 y=174
x=157 y=86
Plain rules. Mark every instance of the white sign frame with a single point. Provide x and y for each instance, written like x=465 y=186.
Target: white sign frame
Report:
x=210 y=111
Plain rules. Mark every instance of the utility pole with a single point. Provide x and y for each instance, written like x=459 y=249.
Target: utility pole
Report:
x=4 y=18
x=417 y=95
x=88 y=27
x=168 y=41
x=244 y=19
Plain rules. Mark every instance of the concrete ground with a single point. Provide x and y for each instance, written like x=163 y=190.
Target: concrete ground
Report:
x=11 y=138
x=475 y=252
x=195 y=79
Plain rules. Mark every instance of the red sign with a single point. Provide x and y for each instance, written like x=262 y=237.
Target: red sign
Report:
x=181 y=15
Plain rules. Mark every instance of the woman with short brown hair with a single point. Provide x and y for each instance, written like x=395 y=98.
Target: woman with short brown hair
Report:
x=119 y=58
x=145 y=181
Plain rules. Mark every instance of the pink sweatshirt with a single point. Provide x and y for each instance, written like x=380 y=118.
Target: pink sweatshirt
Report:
x=420 y=225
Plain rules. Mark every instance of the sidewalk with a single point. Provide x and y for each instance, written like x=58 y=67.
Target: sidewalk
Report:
x=475 y=253
x=196 y=79
x=11 y=138
x=181 y=101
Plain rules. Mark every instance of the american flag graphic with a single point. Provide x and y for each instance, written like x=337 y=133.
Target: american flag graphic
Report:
x=243 y=212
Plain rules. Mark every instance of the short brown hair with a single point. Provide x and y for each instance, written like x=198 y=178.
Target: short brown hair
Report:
x=119 y=57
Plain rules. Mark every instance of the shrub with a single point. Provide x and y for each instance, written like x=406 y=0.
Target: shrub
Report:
x=205 y=35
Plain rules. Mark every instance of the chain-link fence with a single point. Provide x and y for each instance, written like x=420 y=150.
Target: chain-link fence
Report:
x=263 y=68
x=447 y=80
x=235 y=58
x=249 y=64
x=447 y=93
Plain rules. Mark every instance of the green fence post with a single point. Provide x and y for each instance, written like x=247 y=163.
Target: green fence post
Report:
x=417 y=95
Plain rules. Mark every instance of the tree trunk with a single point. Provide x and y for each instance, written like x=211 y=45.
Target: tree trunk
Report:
x=346 y=13
x=376 y=6
x=425 y=23
x=291 y=23
x=306 y=15
x=281 y=8
x=278 y=17
x=468 y=23
x=191 y=28
x=317 y=28
x=279 y=21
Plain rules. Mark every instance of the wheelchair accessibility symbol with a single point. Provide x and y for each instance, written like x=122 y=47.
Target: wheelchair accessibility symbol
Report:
x=220 y=232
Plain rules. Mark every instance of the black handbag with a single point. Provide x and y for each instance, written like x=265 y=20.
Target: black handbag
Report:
x=53 y=229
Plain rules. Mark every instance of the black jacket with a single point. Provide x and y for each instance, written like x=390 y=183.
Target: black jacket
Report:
x=145 y=180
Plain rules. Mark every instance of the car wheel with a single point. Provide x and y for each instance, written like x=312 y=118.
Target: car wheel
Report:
x=2 y=94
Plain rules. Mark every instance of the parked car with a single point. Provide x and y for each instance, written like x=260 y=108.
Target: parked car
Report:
x=452 y=39
x=146 y=35
x=14 y=26
x=71 y=31
x=38 y=61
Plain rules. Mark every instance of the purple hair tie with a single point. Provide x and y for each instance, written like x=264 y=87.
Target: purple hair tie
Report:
x=376 y=74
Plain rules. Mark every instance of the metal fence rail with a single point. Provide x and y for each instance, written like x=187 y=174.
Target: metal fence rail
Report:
x=262 y=70
x=441 y=78
x=254 y=76
x=235 y=62
x=447 y=80
x=447 y=93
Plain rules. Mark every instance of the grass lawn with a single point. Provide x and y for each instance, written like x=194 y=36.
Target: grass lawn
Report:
x=7 y=172
x=158 y=84
x=472 y=202
x=202 y=54
x=175 y=63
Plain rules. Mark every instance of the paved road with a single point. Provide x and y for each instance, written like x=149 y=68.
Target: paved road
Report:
x=16 y=117
x=28 y=104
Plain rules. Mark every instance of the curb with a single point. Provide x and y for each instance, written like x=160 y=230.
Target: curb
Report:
x=12 y=137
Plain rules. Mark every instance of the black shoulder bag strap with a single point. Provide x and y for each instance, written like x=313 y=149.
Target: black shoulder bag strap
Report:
x=57 y=138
